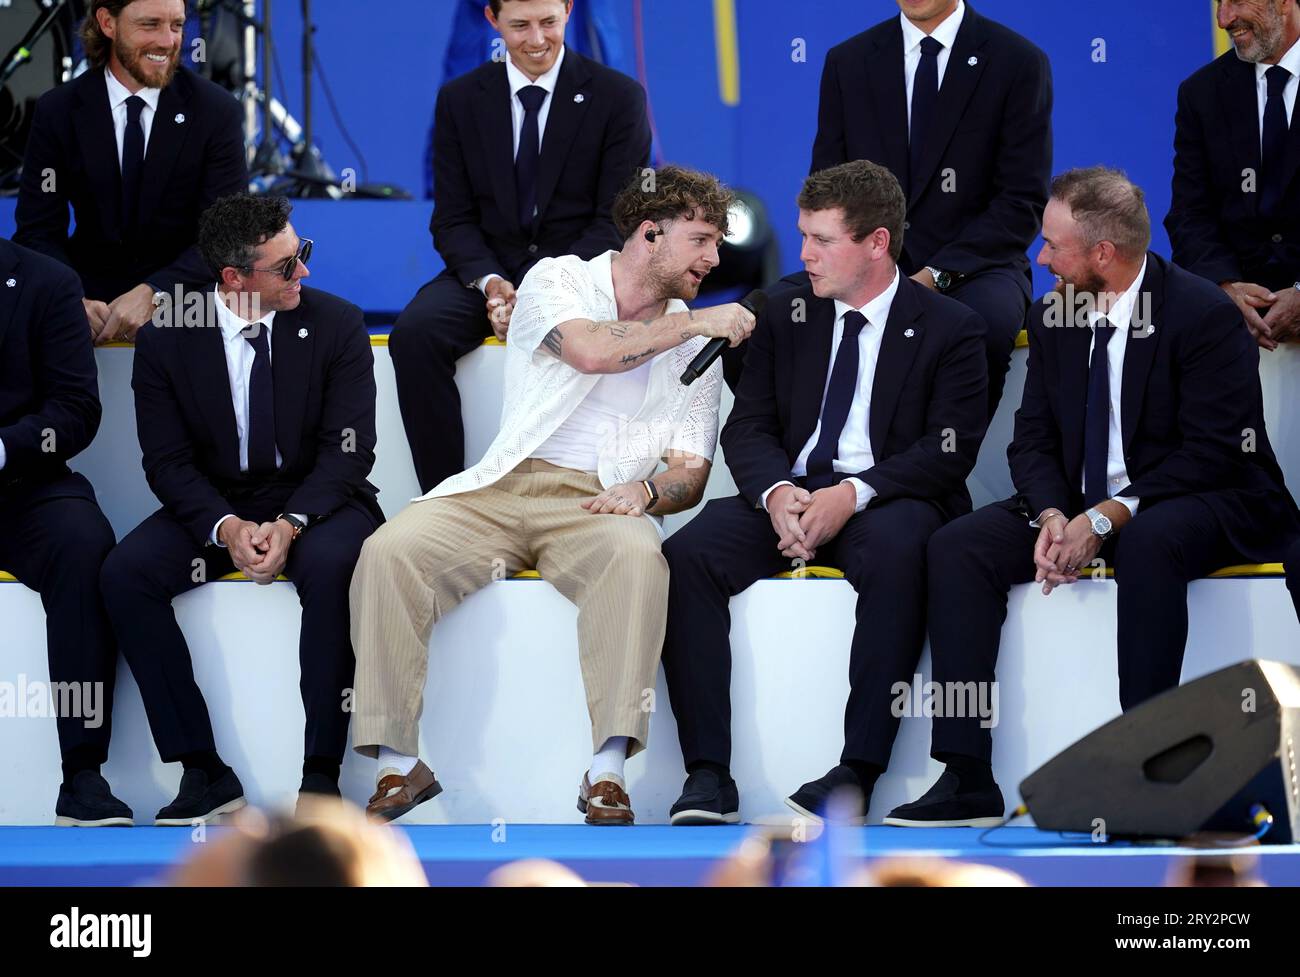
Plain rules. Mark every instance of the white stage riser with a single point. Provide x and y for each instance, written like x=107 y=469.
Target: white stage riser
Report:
x=505 y=724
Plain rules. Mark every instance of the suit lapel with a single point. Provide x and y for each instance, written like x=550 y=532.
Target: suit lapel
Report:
x=292 y=341
x=98 y=143
x=562 y=123
x=166 y=136
x=812 y=364
x=1236 y=94
x=9 y=271
x=1140 y=352
x=960 y=79
x=498 y=135
x=904 y=333
x=886 y=79
x=204 y=359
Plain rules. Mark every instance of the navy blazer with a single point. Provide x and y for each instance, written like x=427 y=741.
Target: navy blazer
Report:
x=597 y=135
x=195 y=155
x=1215 y=228
x=49 y=394
x=324 y=415
x=1190 y=407
x=929 y=396
x=992 y=128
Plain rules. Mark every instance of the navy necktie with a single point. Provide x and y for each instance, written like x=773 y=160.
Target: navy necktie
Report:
x=839 y=398
x=261 y=403
x=925 y=92
x=1274 y=142
x=132 y=160
x=526 y=160
x=1096 y=425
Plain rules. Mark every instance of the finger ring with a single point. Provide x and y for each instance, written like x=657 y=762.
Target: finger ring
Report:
x=1070 y=567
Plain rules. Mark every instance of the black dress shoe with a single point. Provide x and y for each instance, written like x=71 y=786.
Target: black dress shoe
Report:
x=197 y=800
x=946 y=805
x=707 y=799
x=88 y=802
x=810 y=799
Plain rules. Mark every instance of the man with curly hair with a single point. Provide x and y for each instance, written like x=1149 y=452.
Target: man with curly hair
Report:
x=255 y=405
x=570 y=486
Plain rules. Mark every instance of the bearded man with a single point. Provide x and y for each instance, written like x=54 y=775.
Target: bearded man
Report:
x=137 y=147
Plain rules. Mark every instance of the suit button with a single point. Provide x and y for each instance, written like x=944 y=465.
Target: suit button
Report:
x=532 y=249
x=1277 y=238
x=907 y=226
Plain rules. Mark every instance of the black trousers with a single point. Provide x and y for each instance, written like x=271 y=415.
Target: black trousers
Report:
x=441 y=324
x=729 y=546
x=1292 y=562
x=974 y=561
x=998 y=295
x=55 y=539
x=155 y=563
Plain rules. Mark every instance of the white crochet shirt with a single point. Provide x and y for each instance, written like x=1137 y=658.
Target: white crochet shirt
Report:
x=541 y=391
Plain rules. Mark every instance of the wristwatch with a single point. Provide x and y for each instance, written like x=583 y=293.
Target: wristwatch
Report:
x=1101 y=525
x=651 y=491
x=942 y=279
x=298 y=525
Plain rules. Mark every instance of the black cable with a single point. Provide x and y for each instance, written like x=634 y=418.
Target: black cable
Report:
x=338 y=121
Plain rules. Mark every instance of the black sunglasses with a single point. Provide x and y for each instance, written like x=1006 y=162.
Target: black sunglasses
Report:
x=288 y=266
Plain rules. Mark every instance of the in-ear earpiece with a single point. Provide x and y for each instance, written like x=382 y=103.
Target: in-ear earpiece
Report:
x=651 y=234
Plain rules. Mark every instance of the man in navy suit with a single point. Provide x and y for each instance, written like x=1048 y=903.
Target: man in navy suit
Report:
x=1235 y=214
x=1140 y=441
x=53 y=537
x=858 y=416
x=136 y=147
x=528 y=157
x=959 y=108
x=255 y=406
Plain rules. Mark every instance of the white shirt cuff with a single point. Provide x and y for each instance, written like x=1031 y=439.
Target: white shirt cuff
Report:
x=213 y=538
x=2 y=454
x=763 y=497
x=1130 y=503
x=482 y=283
x=865 y=493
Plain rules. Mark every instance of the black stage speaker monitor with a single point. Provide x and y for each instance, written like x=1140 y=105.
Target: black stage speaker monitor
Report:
x=1192 y=759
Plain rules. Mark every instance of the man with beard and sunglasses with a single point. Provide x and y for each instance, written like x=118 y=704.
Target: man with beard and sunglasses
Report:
x=255 y=408
x=571 y=486
x=1235 y=213
x=136 y=148
x=1140 y=440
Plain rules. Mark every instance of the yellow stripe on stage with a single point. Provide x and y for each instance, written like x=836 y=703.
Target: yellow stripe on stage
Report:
x=724 y=31
x=1221 y=40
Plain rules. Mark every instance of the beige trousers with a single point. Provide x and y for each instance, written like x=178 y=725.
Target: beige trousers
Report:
x=433 y=554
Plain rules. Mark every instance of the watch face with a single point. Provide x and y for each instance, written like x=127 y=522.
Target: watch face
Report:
x=1102 y=526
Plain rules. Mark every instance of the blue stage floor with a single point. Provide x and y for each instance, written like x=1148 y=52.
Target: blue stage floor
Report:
x=648 y=855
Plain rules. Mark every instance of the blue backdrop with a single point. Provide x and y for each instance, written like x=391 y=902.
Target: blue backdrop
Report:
x=386 y=68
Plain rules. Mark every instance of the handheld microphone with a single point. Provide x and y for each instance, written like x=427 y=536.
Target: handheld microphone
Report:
x=755 y=302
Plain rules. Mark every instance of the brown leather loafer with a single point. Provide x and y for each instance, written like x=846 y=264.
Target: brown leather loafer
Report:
x=396 y=795
x=605 y=801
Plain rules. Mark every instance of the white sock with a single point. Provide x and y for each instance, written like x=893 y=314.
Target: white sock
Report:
x=610 y=759
x=390 y=761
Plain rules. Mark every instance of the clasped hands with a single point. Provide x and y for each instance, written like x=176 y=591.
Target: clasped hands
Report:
x=122 y=318
x=1064 y=548
x=259 y=552
x=805 y=520
x=1279 y=324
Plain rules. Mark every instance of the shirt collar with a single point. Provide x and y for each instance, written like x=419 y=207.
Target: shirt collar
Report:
x=1121 y=312
x=1290 y=61
x=945 y=33
x=876 y=312
x=118 y=93
x=231 y=324
x=520 y=80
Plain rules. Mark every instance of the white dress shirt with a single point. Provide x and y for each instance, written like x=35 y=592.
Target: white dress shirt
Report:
x=1121 y=315
x=945 y=34
x=518 y=80
x=854 y=452
x=117 y=96
x=239 y=369
x=1291 y=62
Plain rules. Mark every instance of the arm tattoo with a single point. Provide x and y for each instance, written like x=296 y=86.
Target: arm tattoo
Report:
x=552 y=342
x=617 y=329
x=677 y=492
x=633 y=357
